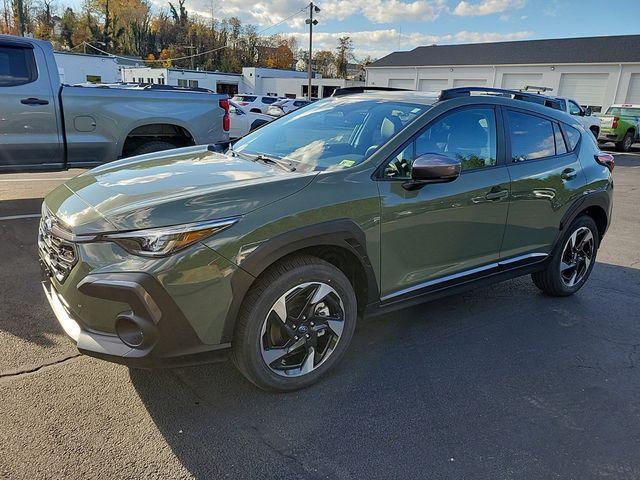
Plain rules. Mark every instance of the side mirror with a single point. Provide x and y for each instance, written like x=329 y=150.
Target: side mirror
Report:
x=588 y=112
x=432 y=168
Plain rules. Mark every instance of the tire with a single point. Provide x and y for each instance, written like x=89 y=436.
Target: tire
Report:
x=625 y=144
x=260 y=336
x=556 y=278
x=153 y=146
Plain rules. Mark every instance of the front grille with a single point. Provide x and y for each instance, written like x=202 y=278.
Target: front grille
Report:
x=58 y=254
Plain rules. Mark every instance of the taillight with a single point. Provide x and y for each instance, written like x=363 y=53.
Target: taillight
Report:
x=615 y=122
x=226 y=120
x=605 y=159
x=243 y=104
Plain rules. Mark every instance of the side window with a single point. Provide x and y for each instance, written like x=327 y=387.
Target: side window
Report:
x=561 y=148
x=573 y=136
x=17 y=66
x=531 y=137
x=574 y=108
x=269 y=100
x=468 y=135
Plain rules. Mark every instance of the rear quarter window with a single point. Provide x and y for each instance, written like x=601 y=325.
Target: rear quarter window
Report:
x=17 y=66
x=572 y=136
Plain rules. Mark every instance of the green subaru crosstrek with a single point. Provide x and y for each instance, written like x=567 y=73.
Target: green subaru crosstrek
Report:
x=364 y=201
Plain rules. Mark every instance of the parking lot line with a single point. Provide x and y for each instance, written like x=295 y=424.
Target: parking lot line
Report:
x=19 y=217
x=47 y=179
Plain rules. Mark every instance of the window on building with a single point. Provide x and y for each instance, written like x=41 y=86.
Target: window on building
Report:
x=17 y=66
x=328 y=90
x=150 y=81
x=160 y=81
x=94 y=78
x=290 y=95
x=314 y=90
x=193 y=83
x=531 y=137
x=227 y=88
x=182 y=82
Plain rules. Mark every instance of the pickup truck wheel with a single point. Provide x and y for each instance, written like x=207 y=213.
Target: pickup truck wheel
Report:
x=625 y=144
x=153 y=146
x=573 y=259
x=295 y=324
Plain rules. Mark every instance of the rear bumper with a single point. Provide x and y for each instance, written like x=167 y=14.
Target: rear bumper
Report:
x=167 y=337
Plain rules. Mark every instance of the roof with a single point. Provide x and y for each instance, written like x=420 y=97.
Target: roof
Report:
x=610 y=49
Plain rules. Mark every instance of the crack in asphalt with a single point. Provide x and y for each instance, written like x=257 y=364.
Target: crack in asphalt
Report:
x=39 y=367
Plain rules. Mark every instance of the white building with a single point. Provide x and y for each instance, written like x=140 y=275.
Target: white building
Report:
x=596 y=71
x=81 y=68
x=261 y=81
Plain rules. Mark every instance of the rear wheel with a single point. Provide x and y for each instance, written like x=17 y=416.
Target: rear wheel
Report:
x=295 y=324
x=153 y=146
x=625 y=144
x=573 y=260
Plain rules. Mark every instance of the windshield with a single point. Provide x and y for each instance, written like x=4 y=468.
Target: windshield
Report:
x=334 y=133
x=624 y=112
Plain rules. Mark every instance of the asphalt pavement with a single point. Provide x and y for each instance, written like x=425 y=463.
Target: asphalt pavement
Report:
x=501 y=382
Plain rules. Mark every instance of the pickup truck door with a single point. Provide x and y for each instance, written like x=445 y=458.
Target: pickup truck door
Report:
x=29 y=125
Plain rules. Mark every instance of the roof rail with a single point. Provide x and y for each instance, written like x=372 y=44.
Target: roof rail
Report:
x=339 y=92
x=502 y=92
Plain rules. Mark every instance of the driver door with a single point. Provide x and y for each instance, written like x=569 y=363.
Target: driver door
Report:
x=448 y=229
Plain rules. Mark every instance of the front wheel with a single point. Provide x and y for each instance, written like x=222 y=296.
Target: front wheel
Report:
x=573 y=260
x=295 y=324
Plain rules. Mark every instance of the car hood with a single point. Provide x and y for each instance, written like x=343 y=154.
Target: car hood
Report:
x=170 y=188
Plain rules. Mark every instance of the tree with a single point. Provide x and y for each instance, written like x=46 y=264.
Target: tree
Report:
x=282 y=57
x=344 y=53
x=324 y=63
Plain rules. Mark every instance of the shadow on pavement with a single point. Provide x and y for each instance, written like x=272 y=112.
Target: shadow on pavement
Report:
x=485 y=384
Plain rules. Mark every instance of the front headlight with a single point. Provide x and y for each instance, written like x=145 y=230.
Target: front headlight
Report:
x=160 y=242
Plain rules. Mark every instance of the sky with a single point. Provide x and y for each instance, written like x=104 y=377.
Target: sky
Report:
x=379 y=27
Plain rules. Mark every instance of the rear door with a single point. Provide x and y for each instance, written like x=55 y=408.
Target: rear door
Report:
x=28 y=120
x=546 y=178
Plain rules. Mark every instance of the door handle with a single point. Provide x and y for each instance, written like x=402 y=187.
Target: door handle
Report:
x=34 y=101
x=568 y=174
x=495 y=195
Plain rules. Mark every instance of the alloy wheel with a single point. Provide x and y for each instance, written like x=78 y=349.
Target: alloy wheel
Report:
x=302 y=329
x=577 y=256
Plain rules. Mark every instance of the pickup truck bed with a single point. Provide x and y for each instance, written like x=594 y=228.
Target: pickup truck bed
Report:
x=54 y=126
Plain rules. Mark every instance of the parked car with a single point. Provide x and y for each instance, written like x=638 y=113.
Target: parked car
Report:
x=621 y=125
x=362 y=202
x=255 y=103
x=60 y=126
x=244 y=121
x=572 y=107
x=282 y=107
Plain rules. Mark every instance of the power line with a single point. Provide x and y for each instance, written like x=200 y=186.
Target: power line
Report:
x=201 y=53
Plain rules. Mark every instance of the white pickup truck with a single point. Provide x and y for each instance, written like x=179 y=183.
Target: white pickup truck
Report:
x=572 y=107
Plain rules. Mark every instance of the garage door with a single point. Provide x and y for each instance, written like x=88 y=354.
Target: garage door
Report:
x=517 y=81
x=633 y=95
x=433 y=84
x=480 y=82
x=586 y=88
x=402 y=83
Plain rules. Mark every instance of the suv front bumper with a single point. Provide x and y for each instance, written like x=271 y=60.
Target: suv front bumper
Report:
x=167 y=337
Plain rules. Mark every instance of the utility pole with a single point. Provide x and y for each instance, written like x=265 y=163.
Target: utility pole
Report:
x=311 y=22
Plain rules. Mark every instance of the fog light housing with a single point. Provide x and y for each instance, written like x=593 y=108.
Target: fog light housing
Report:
x=130 y=330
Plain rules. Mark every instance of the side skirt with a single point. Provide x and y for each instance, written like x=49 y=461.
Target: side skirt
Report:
x=502 y=272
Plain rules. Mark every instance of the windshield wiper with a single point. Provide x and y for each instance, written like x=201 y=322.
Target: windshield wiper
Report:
x=272 y=161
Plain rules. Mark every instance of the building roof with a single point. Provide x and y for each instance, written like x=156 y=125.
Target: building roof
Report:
x=611 y=49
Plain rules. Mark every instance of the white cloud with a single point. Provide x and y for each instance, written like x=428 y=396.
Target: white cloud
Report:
x=486 y=7
x=379 y=43
x=268 y=12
